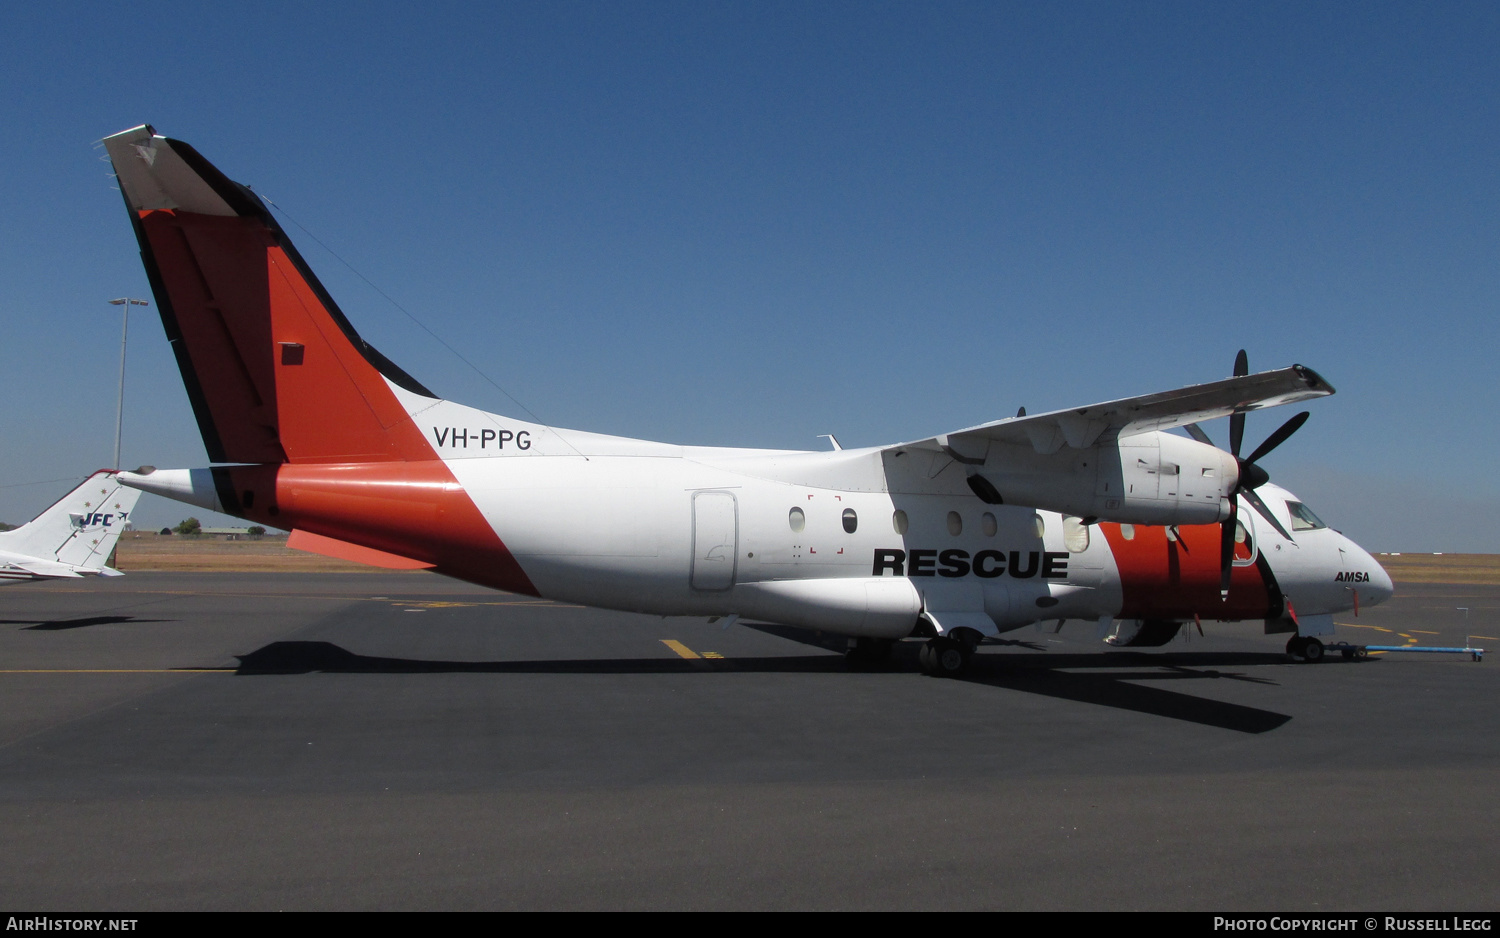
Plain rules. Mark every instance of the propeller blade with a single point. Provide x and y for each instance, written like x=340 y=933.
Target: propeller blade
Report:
x=1279 y=437
x=1265 y=512
x=1196 y=432
x=1226 y=547
x=1237 y=419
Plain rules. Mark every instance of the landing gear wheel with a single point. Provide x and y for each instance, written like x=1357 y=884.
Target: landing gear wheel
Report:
x=944 y=657
x=1295 y=646
x=1312 y=650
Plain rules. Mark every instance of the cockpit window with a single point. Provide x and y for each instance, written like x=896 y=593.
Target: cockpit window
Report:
x=1302 y=517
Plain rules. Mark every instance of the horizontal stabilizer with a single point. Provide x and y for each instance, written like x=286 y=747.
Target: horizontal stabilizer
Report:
x=343 y=550
x=43 y=568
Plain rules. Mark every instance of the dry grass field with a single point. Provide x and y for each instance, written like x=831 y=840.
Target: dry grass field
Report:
x=145 y=551
x=1472 y=569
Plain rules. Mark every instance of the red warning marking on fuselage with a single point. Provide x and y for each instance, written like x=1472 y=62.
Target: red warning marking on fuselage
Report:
x=1166 y=579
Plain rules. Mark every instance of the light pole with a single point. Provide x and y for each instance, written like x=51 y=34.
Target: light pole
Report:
x=125 y=303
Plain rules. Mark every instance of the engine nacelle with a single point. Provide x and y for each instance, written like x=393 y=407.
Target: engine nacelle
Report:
x=1149 y=478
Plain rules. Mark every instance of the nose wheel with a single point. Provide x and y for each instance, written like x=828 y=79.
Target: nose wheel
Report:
x=1305 y=648
x=944 y=657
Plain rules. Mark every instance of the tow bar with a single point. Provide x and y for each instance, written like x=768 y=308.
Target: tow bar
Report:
x=1361 y=651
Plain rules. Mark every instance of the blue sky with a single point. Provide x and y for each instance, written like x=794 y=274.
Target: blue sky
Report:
x=748 y=224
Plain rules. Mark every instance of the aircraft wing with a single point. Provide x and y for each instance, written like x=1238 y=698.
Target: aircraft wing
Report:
x=1080 y=427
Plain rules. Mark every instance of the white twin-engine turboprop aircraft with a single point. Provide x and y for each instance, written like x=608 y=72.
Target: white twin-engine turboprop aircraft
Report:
x=1089 y=513
x=74 y=537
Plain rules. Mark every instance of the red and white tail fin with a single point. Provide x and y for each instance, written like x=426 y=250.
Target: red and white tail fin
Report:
x=256 y=335
x=279 y=379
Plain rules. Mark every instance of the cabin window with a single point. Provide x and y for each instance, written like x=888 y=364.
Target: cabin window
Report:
x=851 y=520
x=899 y=522
x=987 y=524
x=955 y=523
x=796 y=519
x=1302 y=517
x=1040 y=525
x=1127 y=531
x=1075 y=534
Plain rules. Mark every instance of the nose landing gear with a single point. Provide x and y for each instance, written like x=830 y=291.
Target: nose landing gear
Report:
x=1305 y=648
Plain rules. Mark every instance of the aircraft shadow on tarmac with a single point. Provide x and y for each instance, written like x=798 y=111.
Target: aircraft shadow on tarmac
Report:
x=57 y=625
x=1047 y=675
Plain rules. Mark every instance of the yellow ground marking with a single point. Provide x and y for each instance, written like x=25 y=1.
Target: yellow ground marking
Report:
x=712 y=654
x=1351 y=625
x=681 y=649
x=1489 y=637
x=1420 y=632
x=118 y=670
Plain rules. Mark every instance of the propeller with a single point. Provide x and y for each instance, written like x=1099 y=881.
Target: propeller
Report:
x=1251 y=475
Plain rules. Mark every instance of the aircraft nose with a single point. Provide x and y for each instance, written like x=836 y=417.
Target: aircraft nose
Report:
x=1380 y=588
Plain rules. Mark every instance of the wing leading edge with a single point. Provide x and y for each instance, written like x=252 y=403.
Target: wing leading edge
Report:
x=1081 y=427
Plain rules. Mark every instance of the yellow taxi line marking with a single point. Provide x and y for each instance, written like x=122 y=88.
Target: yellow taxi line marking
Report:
x=1489 y=637
x=1351 y=625
x=681 y=649
x=1420 y=632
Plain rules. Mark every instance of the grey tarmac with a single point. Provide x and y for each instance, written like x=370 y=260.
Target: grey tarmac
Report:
x=401 y=741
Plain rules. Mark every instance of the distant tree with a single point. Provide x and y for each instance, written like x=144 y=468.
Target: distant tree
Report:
x=6 y=527
x=190 y=526
x=165 y=531
x=256 y=531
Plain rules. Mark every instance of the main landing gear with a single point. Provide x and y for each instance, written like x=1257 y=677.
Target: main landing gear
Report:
x=945 y=657
x=1305 y=648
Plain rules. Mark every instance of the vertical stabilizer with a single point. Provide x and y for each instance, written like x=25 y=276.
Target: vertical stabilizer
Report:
x=80 y=529
x=274 y=370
